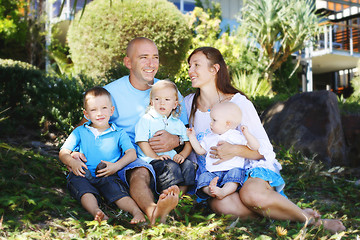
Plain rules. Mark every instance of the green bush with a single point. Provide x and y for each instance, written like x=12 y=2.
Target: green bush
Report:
x=252 y=84
x=98 y=40
x=32 y=97
x=17 y=94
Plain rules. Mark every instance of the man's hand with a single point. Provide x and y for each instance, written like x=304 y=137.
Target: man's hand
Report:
x=79 y=156
x=163 y=141
x=76 y=166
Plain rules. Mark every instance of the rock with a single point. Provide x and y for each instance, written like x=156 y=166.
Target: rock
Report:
x=310 y=122
x=100 y=166
x=351 y=128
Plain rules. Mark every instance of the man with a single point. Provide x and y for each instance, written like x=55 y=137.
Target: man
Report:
x=130 y=95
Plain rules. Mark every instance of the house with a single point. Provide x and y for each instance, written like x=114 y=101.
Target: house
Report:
x=332 y=61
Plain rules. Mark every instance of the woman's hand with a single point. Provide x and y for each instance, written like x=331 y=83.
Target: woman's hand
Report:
x=163 y=141
x=223 y=151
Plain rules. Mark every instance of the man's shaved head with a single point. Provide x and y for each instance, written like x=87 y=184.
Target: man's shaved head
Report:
x=133 y=42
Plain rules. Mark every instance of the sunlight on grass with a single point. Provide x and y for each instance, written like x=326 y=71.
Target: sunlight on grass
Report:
x=34 y=204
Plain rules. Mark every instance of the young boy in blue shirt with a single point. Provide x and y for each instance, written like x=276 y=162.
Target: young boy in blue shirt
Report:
x=101 y=143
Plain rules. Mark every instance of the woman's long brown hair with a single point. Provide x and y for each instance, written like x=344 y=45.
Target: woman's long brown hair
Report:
x=223 y=82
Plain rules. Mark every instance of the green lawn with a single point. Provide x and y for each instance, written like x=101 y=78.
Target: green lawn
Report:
x=34 y=204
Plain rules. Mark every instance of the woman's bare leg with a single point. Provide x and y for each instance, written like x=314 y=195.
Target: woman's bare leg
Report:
x=260 y=197
x=231 y=205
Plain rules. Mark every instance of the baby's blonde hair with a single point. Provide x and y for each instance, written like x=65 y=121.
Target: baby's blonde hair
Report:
x=161 y=84
x=231 y=112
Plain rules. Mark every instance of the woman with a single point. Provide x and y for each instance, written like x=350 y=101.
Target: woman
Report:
x=261 y=193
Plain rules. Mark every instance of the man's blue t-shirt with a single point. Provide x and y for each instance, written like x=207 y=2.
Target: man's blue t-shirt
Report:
x=131 y=103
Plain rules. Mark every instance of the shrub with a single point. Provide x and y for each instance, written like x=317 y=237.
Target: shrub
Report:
x=34 y=97
x=16 y=79
x=252 y=84
x=98 y=40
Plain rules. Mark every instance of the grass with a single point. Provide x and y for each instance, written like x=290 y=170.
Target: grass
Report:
x=34 y=204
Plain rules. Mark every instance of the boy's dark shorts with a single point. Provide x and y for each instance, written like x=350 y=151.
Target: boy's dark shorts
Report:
x=169 y=173
x=110 y=188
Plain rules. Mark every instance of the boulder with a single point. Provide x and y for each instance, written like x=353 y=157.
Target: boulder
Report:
x=310 y=123
x=351 y=128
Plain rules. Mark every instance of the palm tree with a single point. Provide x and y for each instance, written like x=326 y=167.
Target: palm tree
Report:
x=278 y=28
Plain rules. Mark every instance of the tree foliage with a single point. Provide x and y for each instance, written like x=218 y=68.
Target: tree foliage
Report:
x=278 y=28
x=103 y=32
x=22 y=31
x=12 y=29
x=204 y=22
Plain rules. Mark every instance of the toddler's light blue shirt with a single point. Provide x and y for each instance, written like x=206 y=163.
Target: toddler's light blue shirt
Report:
x=152 y=122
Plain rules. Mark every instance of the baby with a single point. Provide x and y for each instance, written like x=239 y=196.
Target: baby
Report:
x=222 y=177
x=171 y=168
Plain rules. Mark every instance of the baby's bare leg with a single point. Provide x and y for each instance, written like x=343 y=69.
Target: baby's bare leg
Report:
x=220 y=193
x=206 y=190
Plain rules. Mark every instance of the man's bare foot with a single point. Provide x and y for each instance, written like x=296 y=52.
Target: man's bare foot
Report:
x=215 y=190
x=100 y=215
x=333 y=225
x=167 y=202
x=138 y=217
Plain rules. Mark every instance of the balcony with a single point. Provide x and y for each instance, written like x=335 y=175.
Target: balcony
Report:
x=337 y=47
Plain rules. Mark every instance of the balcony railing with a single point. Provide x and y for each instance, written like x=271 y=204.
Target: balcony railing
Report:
x=337 y=36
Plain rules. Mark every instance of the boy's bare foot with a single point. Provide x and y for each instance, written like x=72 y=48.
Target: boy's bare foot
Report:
x=215 y=190
x=138 y=217
x=167 y=202
x=100 y=215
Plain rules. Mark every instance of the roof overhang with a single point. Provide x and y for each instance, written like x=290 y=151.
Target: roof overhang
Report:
x=335 y=61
